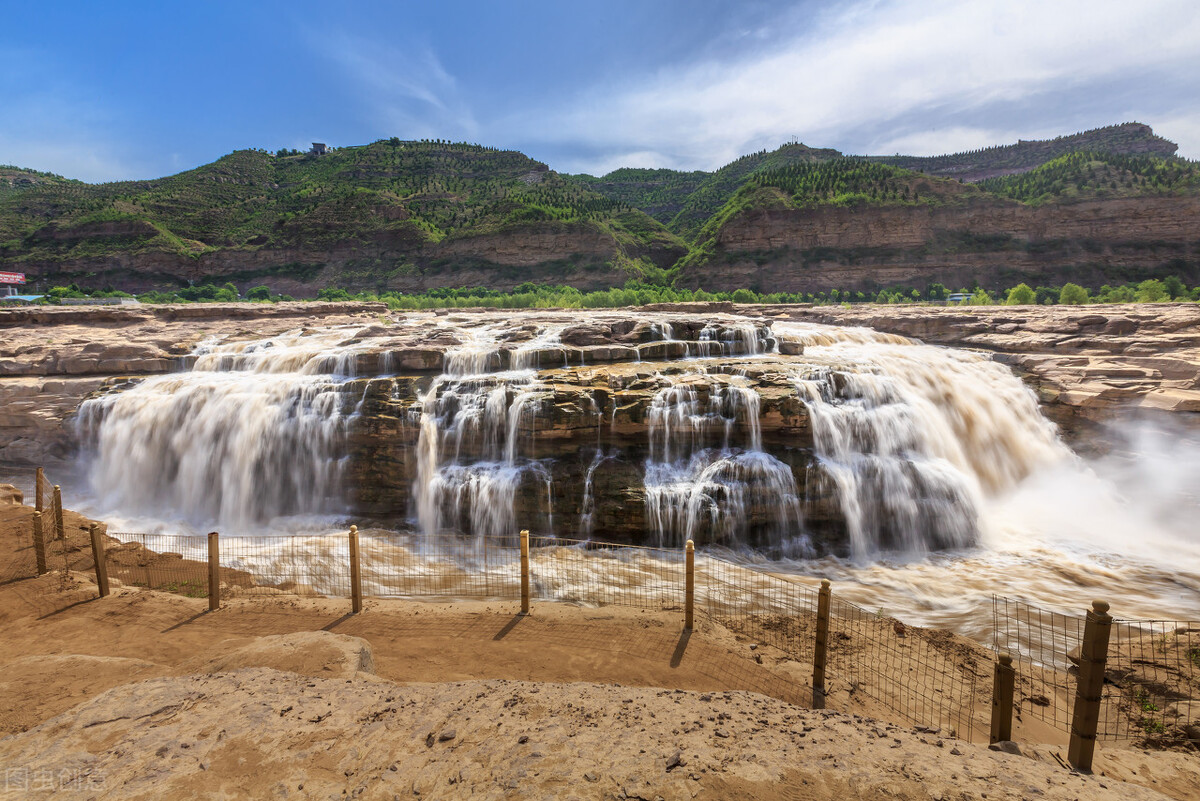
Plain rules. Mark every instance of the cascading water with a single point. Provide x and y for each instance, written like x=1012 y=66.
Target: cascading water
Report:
x=698 y=483
x=252 y=432
x=468 y=468
x=913 y=438
x=842 y=441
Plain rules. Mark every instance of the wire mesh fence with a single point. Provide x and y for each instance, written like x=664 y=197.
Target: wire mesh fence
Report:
x=47 y=545
x=777 y=610
x=1153 y=671
x=398 y=565
x=918 y=678
x=59 y=556
x=1151 y=690
x=926 y=676
x=606 y=574
x=167 y=563
x=261 y=565
x=1042 y=644
x=281 y=564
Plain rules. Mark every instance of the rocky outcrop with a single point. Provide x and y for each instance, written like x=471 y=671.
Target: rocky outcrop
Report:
x=992 y=242
x=1091 y=365
x=590 y=427
x=583 y=255
x=52 y=358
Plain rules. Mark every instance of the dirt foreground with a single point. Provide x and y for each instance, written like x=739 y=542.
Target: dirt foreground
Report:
x=149 y=695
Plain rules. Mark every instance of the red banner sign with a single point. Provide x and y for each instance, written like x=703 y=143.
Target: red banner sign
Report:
x=12 y=278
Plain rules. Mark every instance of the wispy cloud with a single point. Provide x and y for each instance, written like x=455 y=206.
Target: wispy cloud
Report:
x=965 y=68
x=404 y=85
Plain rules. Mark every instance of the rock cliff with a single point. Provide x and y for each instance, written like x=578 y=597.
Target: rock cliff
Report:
x=996 y=243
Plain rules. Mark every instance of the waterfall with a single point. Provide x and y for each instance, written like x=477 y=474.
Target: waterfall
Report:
x=860 y=441
x=468 y=466
x=699 y=484
x=913 y=438
x=252 y=432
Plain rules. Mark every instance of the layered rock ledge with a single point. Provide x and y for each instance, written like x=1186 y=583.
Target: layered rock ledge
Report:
x=1090 y=365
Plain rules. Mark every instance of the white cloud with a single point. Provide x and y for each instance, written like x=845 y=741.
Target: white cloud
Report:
x=409 y=91
x=1184 y=129
x=839 y=82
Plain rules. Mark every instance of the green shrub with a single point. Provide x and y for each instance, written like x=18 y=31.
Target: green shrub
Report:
x=1020 y=295
x=1152 y=291
x=1073 y=295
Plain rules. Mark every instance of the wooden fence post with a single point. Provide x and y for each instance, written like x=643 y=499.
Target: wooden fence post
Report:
x=99 y=558
x=59 y=531
x=39 y=544
x=1003 y=682
x=690 y=585
x=214 y=571
x=1089 y=690
x=524 y=572
x=821 y=653
x=39 y=489
x=355 y=575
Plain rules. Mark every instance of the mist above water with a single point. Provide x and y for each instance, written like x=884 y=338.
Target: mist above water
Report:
x=1121 y=528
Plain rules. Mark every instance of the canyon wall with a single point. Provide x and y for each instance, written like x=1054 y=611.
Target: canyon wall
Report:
x=996 y=243
x=580 y=254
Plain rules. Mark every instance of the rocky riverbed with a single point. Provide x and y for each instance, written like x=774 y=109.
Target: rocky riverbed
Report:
x=498 y=402
x=1090 y=364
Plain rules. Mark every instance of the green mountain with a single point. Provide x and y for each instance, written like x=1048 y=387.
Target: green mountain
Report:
x=684 y=201
x=1098 y=176
x=399 y=210
x=1090 y=218
x=660 y=193
x=411 y=216
x=1131 y=138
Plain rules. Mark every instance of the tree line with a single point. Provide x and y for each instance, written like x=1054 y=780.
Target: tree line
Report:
x=640 y=293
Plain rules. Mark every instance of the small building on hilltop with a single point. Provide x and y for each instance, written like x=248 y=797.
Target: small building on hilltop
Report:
x=319 y=149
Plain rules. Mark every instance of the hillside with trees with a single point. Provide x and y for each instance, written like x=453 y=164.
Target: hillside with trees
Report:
x=1131 y=138
x=1109 y=206
x=705 y=192
x=401 y=205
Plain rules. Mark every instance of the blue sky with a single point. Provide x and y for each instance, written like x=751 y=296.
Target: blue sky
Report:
x=138 y=90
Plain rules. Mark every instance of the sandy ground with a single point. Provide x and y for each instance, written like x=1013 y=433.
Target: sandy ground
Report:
x=149 y=695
